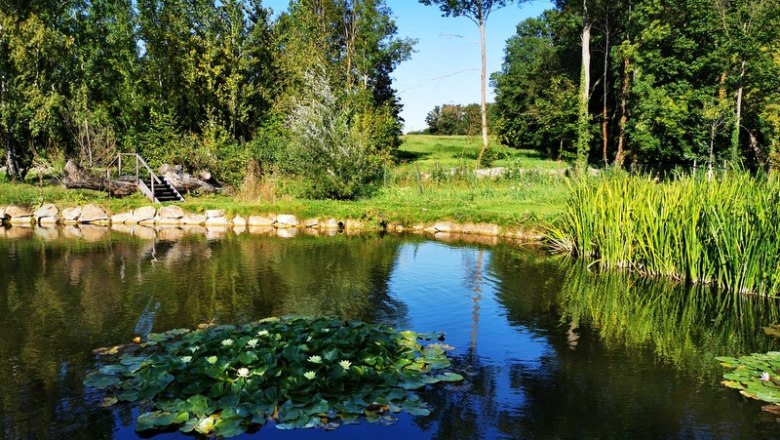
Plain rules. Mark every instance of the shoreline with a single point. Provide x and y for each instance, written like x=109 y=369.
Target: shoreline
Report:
x=170 y=222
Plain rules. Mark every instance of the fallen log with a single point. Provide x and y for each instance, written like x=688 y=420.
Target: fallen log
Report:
x=77 y=177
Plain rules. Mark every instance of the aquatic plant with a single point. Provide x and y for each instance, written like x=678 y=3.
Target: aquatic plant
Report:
x=299 y=372
x=720 y=231
x=756 y=376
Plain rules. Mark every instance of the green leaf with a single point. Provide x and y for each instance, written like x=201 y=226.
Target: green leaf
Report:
x=449 y=377
x=199 y=405
x=229 y=427
x=98 y=380
x=247 y=357
x=159 y=419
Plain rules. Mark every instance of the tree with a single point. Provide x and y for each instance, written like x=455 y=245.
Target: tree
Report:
x=477 y=11
x=36 y=52
x=536 y=92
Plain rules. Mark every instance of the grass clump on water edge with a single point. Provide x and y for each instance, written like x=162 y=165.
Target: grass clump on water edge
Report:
x=722 y=231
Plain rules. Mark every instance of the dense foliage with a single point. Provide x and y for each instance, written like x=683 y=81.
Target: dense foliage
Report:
x=300 y=372
x=200 y=83
x=721 y=230
x=672 y=81
x=456 y=119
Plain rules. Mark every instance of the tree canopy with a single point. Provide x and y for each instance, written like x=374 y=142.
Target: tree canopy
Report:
x=673 y=82
x=203 y=83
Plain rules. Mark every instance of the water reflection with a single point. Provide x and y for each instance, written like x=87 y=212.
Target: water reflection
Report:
x=60 y=299
x=550 y=349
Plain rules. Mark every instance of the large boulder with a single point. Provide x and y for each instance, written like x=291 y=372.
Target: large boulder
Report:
x=259 y=220
x=93 y=214
x=185 y=182
x=217 y=221
x=144 y=213
x=47 y=210
x=171 y=212
x=71 y=215
x=214 y=213
x=125 y=217
x=239 y=221
x=16 y=215
x=193 y=219
x=286 y=221
x=17 y=211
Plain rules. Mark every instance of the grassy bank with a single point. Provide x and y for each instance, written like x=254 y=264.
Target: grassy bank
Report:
x=433 y=181
x=722 y=231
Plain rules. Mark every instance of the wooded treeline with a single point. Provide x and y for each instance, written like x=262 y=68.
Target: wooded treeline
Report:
x=670 y=82
x=456 y=119
x=202 y=83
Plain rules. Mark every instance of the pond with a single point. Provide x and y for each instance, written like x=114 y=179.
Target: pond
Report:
x=549 y=349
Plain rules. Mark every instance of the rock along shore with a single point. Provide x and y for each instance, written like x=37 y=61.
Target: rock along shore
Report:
x=172 y=220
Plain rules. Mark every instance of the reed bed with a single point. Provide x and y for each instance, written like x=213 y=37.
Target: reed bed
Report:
x=723 y=231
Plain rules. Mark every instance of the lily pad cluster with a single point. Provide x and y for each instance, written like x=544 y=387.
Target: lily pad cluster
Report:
x=300 y=372
x=755 y=376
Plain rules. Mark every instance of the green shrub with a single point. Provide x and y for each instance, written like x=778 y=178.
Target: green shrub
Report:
x=328 y=149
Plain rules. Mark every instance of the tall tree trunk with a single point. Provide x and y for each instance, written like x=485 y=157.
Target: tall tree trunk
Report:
x=738 y=119
x=583 y=129
x=620 y=155
x=483 y=106
x=604 y=121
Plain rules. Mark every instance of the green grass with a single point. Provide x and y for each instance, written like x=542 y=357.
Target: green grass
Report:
x=429 y=152
x=422 y=189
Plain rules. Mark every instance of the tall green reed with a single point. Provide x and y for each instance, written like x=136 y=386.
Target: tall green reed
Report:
x=723 y=231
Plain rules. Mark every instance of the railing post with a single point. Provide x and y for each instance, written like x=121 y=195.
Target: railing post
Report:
x=137 y=176
x=120 y=166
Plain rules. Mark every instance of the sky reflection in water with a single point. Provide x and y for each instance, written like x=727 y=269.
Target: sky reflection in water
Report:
x=550 y=350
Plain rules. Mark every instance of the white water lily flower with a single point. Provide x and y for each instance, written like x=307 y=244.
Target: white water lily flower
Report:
x=310 y=375
x=243 y=372
x=227 y=342
x=205 y=426
x=186 y=359
x=195 y=348
x=345 y=364
x=765 y=376
x=262 y=333
x=212 y=360
x=315 y=359
x=252 y=343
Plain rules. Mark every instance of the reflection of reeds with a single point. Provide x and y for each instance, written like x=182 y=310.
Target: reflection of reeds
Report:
x=722 y=231
x=686 y=325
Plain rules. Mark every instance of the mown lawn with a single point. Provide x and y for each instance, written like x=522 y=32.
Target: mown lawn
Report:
x=434 y=181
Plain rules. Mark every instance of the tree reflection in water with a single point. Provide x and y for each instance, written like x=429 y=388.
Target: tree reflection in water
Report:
x=550 y=350
x=61 y=299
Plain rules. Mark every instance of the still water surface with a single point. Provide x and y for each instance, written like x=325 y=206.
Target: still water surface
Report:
x=549 y=349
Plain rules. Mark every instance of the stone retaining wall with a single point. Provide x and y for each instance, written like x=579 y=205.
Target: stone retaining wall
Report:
x=149 y=222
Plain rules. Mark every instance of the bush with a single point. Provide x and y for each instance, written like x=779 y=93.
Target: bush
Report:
x=334 y=155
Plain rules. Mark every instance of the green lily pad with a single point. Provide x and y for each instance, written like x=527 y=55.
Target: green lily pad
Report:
x=299 y=372
x=755 y=376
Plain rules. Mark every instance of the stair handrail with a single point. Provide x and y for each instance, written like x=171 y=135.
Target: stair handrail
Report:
x=139 y=164
x=139 y=161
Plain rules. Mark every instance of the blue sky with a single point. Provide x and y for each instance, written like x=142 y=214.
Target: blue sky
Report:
x=445 y=66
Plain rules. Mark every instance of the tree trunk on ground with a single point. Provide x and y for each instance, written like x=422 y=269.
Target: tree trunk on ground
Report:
x=484 y=93
x=79 y=178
